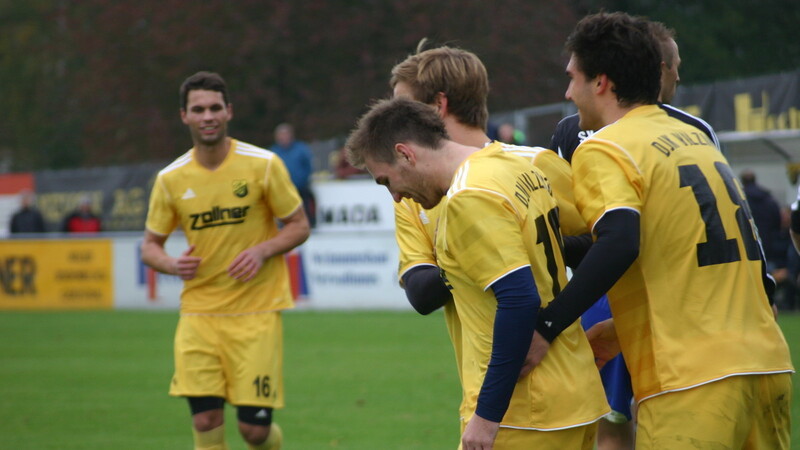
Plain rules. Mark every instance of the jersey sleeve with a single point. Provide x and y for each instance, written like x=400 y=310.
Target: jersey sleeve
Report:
x=162 y=218
x=606 y=178
x=559 y=174
x=414 y=243
x=281 y=194
x=484 y=236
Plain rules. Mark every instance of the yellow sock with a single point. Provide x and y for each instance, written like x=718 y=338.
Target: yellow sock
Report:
x=210 y=440
x=274 y=440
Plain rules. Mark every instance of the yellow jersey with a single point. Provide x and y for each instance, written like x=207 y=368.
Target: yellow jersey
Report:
x=223 y=212
x=500 y=215
x=415 y=226
x=692 y=308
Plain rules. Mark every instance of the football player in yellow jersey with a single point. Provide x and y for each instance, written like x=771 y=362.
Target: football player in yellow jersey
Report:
x=454 y=82
x=226 y=196
x=498 y=243
x=676 y=249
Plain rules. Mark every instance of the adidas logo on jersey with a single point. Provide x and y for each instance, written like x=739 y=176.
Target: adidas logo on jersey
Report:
x=262 y=414
x=189 y=194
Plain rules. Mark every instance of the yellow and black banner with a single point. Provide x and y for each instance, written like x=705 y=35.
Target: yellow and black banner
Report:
x=56 y=274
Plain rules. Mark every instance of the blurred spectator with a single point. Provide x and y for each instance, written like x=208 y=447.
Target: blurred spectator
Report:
x=82 y=220
x=342 y=169
x=786 y=277
x=297 y=157
x=27 y=219
x=491 y=131
x=767 y=216
x=508 y=134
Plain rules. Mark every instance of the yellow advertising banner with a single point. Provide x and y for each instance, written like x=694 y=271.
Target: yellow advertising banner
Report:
x=56 y=274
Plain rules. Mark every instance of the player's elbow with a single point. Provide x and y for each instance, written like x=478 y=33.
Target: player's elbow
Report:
x=425 y=290
x=422 y=307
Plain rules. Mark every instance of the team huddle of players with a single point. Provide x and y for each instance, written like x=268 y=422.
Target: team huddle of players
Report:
x=667 y=265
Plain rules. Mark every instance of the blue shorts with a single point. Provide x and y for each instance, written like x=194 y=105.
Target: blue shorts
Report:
x=615 y=376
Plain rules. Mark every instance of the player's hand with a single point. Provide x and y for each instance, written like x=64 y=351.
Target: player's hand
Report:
x=186 y=265
x=603 y=339
x=536 y=353
x=479 y=434
x=246 y=264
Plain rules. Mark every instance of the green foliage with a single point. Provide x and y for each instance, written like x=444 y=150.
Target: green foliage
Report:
x=723 y=39
x=95 y=83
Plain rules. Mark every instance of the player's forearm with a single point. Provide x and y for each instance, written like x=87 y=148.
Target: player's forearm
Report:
x=157 y=258
x=616 y=248
x=290 y=236
x=517 y=305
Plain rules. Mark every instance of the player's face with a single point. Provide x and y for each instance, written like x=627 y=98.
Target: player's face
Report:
x=207 y=117
x=669 y=75
x=404 y=181
x=580 y=91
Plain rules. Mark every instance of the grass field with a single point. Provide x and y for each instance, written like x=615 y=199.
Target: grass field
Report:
x=354 y=380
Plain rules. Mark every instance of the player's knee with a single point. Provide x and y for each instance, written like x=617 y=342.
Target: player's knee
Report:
x=253 y=434
x=207 y=421
x=207 y=412
x=254 y=423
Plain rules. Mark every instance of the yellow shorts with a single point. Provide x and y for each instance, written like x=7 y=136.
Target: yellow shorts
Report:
x=237 y=357
x=747 y=412
x=578 y=438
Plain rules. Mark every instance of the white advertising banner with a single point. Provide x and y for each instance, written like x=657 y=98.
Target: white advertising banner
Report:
x=352 y=270
x=137 y=286
x=340 y=270
x=353 y=205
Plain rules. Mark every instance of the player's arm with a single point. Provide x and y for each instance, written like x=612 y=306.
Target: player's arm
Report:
x=425 y=289
x=294 y=232
x=155 y=256
x=575 y=248
x=517 y=305
x=484 y=237
x=419 y=274
x=616 y=248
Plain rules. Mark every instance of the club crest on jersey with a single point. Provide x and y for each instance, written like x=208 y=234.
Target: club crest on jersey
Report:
x=240 y=188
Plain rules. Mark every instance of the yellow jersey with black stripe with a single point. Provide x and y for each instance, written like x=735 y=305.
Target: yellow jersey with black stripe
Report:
x=500 y=215
x=692 y=308
x=415 y=226
x=223 y=212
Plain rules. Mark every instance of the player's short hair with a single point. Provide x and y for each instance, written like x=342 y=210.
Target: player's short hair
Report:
x=458 y=73
x=207 y=81
x=623 y=48
x=389 y=122
x=663 y=36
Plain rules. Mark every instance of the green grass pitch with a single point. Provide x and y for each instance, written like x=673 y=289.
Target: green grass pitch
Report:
x=99 y=380
x=354 y=380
